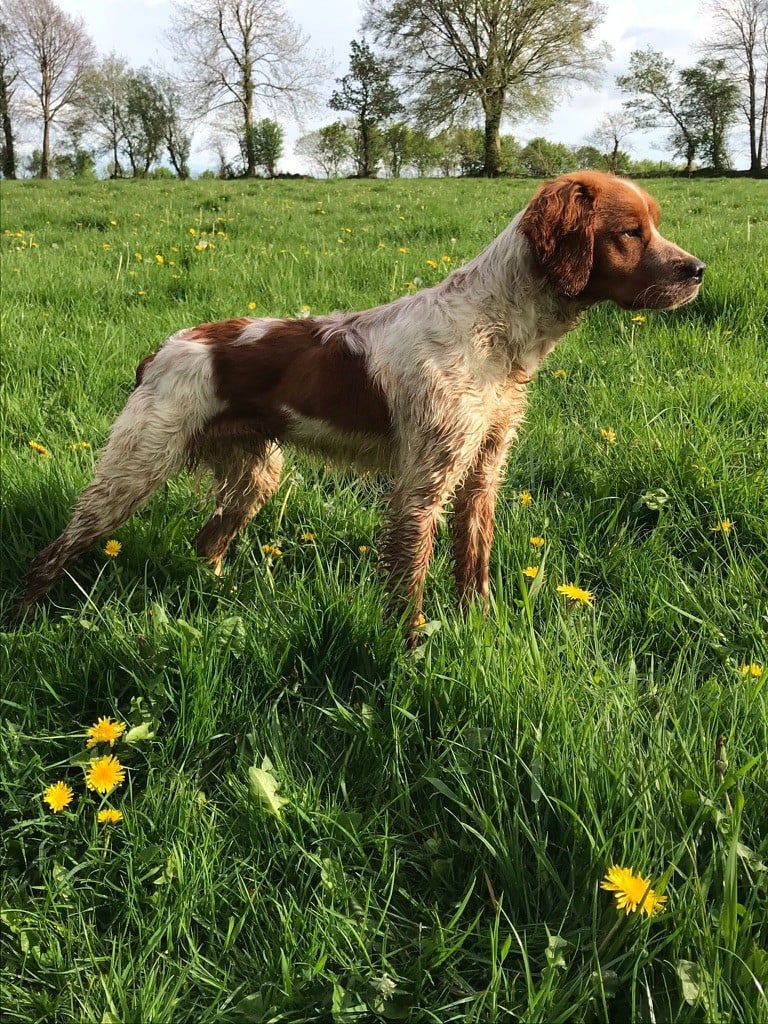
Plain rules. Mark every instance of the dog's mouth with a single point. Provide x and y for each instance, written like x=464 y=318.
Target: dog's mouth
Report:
x=664 y=296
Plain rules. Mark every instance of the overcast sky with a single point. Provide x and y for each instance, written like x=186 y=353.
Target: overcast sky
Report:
x=136 y=28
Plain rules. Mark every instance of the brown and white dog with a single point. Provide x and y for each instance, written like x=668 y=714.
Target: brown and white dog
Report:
x=429 y=389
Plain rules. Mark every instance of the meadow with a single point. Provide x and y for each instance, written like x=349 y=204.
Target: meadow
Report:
x=316 y=824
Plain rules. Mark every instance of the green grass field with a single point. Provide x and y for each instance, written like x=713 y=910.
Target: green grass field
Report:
x=441 y=825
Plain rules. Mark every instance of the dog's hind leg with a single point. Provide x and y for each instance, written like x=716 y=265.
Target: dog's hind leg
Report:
x=243 y=482
x=144 y=449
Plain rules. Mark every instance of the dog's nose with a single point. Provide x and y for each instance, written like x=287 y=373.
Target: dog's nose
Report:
x=695 y=269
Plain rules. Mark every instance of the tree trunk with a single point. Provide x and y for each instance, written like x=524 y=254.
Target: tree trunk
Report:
x=45 y=158
x=249 y=148
x=493 y=107
x=9 y=154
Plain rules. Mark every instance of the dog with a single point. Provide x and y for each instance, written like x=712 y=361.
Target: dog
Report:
x=429 y=389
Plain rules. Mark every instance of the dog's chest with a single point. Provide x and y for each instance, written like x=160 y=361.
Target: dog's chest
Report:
x=321 y=438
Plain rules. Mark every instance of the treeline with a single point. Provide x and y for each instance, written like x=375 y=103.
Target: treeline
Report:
x=418 y=82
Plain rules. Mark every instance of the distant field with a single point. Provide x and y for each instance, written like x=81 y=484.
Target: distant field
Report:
x=447 y=818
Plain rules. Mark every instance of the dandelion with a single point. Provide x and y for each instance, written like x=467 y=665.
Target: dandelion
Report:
x=112 y=548
x=559 y=373
x=403 y=248
x=752 y=669
x=446 y=259
x=58 y=796
x=106 y=246
x=109 y=816
x=608 y=434
x=192 y=231
x=104 y=774
x=138 y=256
x=251 y=305
x=159 y=259
x=37 y=447
x=575 y=593
x=270 y=549
x=420 y=621
x=113 y=223
x=531 y=571
x=432 y=263
x=526 y=498
x=639 y=319
x=105 y=731
x=77 y=446
x=363 y=549
x=308 y=537
x=382 y=245
x=537 y=542
x=631 y=890
x=724 y=526
x=141 y=293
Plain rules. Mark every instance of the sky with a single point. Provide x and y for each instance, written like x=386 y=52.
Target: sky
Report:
x=135 y=29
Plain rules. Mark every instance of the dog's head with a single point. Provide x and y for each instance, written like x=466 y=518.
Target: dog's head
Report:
x=595 y=237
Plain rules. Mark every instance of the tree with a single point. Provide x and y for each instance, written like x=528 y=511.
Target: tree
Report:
x=503 y=58
x=544 y=159
x=242 y=54
x=267 y=145
x=53 y=54
x=9 y=75
x=329 y=148
x=397 y=139
x=142 y=121
x=609 y=133
x=368 y=94
x=741 y=40
x=712 y=98
x=175 y=124
x=103 y=102
x=660 y=100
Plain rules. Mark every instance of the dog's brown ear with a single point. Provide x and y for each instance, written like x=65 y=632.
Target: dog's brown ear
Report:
x=558 y=223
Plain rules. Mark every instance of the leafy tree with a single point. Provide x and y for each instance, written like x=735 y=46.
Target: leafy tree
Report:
x=329 y=148
x=103 y=103
x=397 y=139
x=544 y=159
x=741 y=40
x=242 y=54
x=661 y=100
x=53 y=54
x=175 y=123
x=712 y=98
x=502 y=59
x=142 y=121
x=424 y=152
x=368 y=94
x=267 y=145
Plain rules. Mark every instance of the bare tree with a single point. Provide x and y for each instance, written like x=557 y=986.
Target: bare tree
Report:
x=9 y=75
x=504 y=58
x=241 y=55
x=741 y=40
x=54 y=54
x=609 y=133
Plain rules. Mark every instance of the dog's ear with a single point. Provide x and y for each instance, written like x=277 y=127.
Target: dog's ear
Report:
x=559 y=224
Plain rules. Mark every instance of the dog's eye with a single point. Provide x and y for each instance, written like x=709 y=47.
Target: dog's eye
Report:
x=633 y=232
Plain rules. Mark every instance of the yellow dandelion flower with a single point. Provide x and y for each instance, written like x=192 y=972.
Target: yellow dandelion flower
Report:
x=141 y=293
x=270 y=549
x=724 y=526
x=308 y=536
x=105 y=731
x=113 y=548
x=560 y=373
x=109 y=816
x=192 y=231
x=537 y=542
x=251 y=305
x=631 y=890
x=639 y=319
x=37 y=447
x=446 y=259
x=138 y=256
x=104 y=774
x=608 y=434
x=105 y=245
x=113 y=223
x=575 y=593
x=382 y=245
x=526 y=498
x=403 y=248
x=363 y=549
x=531 y=571
x=432 y=263
x=77 y=446
x=58 y=796
x=159 y=258
x=420 y=621
x=752 y=669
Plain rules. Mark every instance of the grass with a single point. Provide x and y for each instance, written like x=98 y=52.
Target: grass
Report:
x=316 y=825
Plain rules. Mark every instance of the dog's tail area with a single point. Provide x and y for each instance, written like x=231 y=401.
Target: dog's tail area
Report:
x=144 y=449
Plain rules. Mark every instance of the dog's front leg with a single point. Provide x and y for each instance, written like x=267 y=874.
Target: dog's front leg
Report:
x=414 y=510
